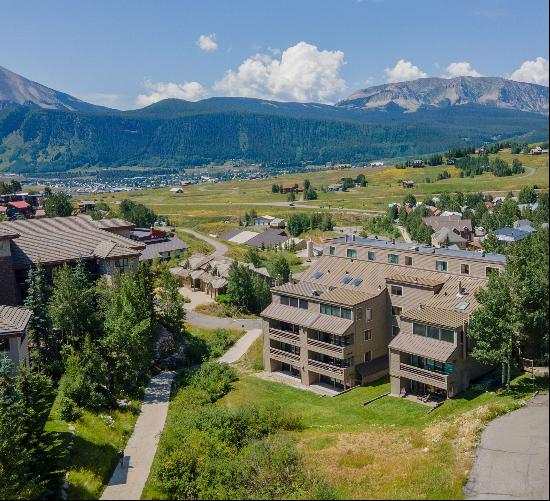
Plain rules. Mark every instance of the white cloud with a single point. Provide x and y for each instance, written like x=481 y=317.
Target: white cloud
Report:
x=208 y=42
x=101 y=99
x=302 y=73
x=402 y=71
x=190 y=91
x=532 y=71
x=462 y=69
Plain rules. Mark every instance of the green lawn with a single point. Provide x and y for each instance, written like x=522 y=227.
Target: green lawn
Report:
x=391 y=448
x=96 y=444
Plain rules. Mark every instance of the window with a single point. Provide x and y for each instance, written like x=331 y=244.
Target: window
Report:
x=465 y=269
x=351 y=253
x=433 y=332
x=395 y=330
x=490 y=269
x=371 y=256
x=4 y=344
x=368 y=356
x=447 y=335
x=332 y=251
x=393 y=258
x=122 y=264
x=441 y=265
x=396 y=310
x=419 y=329
x=335 y=311
x=357 y=282
x=346 y=279
x=294 y=302
x=368 y=314
x=285 y=300
x=408 y=261
x=303 y=304
x=396 y=290
x=368 y=334
x=359 y=313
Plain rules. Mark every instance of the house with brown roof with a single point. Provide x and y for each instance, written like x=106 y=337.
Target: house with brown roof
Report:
x=54 y=241
x=462 y=227
x=370 y=307
x=14 y=341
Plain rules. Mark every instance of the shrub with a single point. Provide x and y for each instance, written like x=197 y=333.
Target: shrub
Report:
x=68 y=410
x=220 y=343
x=214 y=378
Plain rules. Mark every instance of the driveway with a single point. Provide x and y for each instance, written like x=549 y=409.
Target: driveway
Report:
x=220 y=249
x=512 y=457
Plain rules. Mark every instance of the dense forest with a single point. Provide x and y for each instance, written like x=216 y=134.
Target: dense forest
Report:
x=171 y=134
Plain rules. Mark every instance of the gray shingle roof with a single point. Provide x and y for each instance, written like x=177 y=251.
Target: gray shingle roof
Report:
x=170 y=245
x=13 y=319
x=59 y=239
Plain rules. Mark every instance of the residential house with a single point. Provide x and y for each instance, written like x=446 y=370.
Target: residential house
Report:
x=53 y=241
x=270 y=221
x=462 y=227
x=19 y=208
x=408 y=184
x=508 y=235
x=210 y=274
x=524 y=225
x=86 y=205
x=446 y=237
x=369 y=306
x=14 y=340
x=269 y=239
x=158 y=244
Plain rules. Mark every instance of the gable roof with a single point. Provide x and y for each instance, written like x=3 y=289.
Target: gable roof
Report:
x=446 y=234
x=452 y=222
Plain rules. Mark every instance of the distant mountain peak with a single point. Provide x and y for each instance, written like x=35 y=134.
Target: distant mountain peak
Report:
x=444 y=92
x=15 y=89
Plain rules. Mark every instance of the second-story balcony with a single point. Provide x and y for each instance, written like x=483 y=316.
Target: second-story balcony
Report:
x=284 y=356
x=284 y=336
x=425 y=376
x=328 y=348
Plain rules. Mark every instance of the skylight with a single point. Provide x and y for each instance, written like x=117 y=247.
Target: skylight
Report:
x=318 y=274
x=462 y=306
x=346 y=279
x=357 y=282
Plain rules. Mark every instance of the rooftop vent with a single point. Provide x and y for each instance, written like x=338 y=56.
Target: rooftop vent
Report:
x=315 y=293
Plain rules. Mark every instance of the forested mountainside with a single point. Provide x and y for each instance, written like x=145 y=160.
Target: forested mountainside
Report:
x=177 y=133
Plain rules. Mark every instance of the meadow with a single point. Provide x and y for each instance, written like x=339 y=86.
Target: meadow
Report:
x=213 y=207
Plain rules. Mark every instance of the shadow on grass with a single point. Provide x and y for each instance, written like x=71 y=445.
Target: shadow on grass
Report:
x=526 y=385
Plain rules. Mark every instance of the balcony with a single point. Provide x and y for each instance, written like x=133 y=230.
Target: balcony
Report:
x=327 y=348
x=284 y=356
x=284 y=336
x=327 y=369
x=423 y=376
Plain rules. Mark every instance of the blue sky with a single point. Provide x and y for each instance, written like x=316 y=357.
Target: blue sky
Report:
x=129 y=53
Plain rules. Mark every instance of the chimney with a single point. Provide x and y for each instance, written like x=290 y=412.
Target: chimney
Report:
x=309 y=250
x=460 y=289
x=353 y=237
x=345 y=238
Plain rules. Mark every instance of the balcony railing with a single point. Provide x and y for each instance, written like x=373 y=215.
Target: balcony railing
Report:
x=285 y=336
x=327 y=369
x=423 y=375
x=283 y=356
x=331 y=349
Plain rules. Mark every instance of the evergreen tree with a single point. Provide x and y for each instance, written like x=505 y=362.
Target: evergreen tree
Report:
x=45 y=344
x=527 y=195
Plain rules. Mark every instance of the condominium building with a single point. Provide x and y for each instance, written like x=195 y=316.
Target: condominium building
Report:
x=370 y=307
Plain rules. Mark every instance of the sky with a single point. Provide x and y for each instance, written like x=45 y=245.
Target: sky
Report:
x=131 y=53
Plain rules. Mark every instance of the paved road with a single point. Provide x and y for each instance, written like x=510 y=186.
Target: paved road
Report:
x=512 y=457
x=221 y=249
x=128 y=480
x=240 y=347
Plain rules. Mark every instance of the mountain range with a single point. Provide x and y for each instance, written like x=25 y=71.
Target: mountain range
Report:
x=43 y=130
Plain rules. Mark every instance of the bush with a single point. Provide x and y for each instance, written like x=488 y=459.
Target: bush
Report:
x=220 y=343
x=68 y=410
x=214 y=378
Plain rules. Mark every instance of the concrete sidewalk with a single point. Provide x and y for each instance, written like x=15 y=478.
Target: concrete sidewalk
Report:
x=512 y=457
x=128 y=480
x=237 y=351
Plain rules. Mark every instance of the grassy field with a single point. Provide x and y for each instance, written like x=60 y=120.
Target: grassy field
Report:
x=211 y=208
x=97 y=441
x=391 y=448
